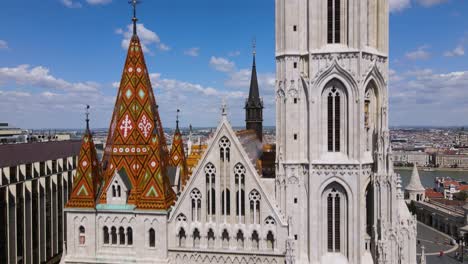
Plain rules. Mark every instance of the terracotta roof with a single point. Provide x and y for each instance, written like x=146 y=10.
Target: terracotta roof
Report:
x=463 y=188
x=430 y=193
x=24 y=153
x=447 y=183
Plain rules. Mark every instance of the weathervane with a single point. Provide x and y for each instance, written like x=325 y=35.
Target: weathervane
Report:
x=134 y=3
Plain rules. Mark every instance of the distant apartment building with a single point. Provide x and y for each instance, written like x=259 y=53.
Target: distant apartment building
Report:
x=35 y=183
x=404 y=158
x=451 y=161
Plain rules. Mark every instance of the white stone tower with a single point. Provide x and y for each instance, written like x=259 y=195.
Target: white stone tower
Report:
x=415 y=191
x=335 y=174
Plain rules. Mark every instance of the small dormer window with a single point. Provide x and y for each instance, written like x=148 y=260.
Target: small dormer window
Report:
x=116 y=190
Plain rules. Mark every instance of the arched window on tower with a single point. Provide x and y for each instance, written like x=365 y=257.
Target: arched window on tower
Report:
x=114 y=235
x=334 y=21
x=82 y=237
x=129 y=236
x=210 y=173
x=336 y=218
x=336 y=116
x=121 y=236
x=105 y=231
x=152 y=237
x=195 y=195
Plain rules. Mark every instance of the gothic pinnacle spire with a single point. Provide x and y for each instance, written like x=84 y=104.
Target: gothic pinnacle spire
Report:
x=134 y=3
x=177 y=119
x=87 y=118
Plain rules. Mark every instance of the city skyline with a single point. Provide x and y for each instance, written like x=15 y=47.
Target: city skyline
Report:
x=52 y=66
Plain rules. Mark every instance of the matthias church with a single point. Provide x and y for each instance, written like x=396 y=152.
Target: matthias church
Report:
x=325 y=192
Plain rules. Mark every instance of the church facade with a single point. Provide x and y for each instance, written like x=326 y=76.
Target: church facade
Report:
x=333 y=197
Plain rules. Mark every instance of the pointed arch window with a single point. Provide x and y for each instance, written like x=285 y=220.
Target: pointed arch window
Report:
x=225 y=149
x=195 y=195
x=82 y=237
x=196 y=238
x=240 y=239
x=255 y=240
x=210 y=173
x=105 y=232
x=336 y=218
x=122 y=236
x=114 y=235
x=211 y=238
x=336 y=116
x=152 y=237
x=182 y=237
x=270 y=239
x=129 y=236
x=225 y=238
x=226 y=205
x=239 y=173
x=254 y=199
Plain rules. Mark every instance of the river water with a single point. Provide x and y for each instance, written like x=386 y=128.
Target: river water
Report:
x=428 y=177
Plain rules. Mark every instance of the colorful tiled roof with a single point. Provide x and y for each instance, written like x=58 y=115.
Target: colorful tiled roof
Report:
x=136 y=140
x=88 y=175
x=177 y=156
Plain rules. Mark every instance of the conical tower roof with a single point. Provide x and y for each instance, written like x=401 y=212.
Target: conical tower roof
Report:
x=177 y=156
x=88 y=175
x=136 y=140
x=415 y=181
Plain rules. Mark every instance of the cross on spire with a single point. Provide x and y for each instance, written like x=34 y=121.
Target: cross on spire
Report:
x=87 y=117
x=134 y=4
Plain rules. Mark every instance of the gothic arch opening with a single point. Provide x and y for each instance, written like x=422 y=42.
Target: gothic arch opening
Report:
x=335 y=121
x=335 y=219
x=372 y=118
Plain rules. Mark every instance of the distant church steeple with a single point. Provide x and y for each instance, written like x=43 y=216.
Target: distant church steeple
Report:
x=254 y=104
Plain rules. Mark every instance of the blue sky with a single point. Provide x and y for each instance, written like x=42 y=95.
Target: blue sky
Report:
x=58 y=55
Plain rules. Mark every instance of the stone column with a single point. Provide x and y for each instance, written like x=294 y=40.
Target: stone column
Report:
x=11 y=200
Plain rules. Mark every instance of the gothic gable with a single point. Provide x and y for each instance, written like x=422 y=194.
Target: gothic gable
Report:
x=226 y=201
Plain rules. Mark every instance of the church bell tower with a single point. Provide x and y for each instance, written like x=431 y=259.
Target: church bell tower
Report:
x=334 y=175
x=254 y=104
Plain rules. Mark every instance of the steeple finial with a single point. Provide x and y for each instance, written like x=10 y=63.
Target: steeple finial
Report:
x=254 y=47
x=224 y=108
x=177 y=119
x=87 y=118
x=134 y=3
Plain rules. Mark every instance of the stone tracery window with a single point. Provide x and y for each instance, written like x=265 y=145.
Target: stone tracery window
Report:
x=225 y=148
x=195 y=195
x=196 y=238
x=336 y=116
x=182 y=237
x=113 y=235
x=270 y=239
x=210 y=173
x=254 y=198
x=239 y=174
x=336 y=218
x=181 y=218
x=270 y=221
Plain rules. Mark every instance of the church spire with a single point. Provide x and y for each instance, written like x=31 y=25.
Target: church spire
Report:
x=254 y=104
x=136 y=146
x=134 y=4
x=88 y=174
x=177 y=156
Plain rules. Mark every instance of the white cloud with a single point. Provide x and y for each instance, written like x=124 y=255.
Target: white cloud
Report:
x=425 y=97
x=193 y=52
x=98 y=2
x=399 y=5
x=222 y=64
x=234 y=53
x=71 y=3
x=40 y=76
x=457 y=52
x=3 y=45
x=420 y=53
x=429 y=3
x=147 y=37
